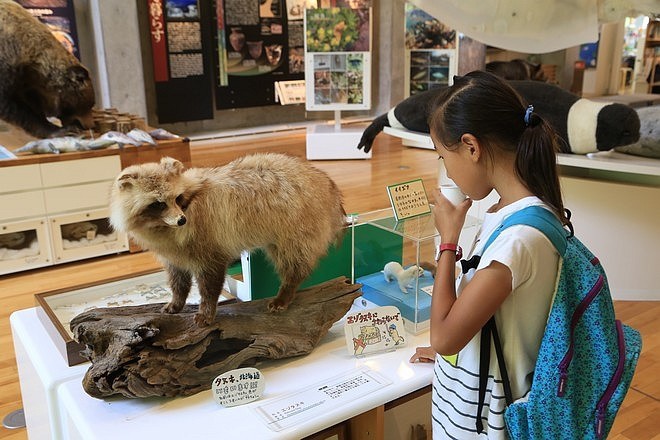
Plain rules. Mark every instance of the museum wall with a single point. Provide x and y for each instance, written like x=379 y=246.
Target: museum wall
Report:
x=117 y=50
x=130 y=87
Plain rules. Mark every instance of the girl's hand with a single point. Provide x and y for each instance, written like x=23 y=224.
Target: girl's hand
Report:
x=423 y=355
x=449 y=219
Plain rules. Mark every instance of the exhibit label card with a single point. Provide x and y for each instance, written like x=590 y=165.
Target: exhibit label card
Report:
x=237 y=387
x=408 y=199
x=374 y=330
x=320 y=398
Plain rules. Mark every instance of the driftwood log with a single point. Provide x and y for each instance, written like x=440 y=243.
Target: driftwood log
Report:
x=138 y=352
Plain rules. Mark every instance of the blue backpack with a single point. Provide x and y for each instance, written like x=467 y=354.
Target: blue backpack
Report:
x=586 y=359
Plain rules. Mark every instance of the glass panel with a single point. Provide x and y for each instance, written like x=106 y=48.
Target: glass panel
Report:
x=19 y=244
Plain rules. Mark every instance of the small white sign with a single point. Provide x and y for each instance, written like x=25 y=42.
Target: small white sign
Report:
x=374 y=330
x=237 y=387
x=290 y=92
x=318 y=399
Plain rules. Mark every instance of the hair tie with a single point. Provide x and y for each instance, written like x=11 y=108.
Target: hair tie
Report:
x=528 y=114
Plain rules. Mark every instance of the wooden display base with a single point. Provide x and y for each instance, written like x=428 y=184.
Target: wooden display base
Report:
x=140 y=352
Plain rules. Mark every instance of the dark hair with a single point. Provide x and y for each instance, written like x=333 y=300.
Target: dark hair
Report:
x=485 y=106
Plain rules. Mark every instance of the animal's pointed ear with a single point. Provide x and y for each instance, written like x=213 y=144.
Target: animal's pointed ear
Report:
x=79 y=73
x=125 y=181
x=171 y=165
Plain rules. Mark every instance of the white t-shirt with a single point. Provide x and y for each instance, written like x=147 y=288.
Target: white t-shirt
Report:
x=521 y=319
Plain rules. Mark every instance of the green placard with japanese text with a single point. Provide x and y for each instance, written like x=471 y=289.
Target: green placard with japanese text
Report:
x=408 y=199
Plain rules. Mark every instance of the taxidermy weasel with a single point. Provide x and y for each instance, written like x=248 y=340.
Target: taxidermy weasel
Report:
x=198 y=221
x=405 y=277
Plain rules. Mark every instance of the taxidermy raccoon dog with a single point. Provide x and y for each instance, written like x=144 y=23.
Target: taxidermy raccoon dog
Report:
x=199 y=220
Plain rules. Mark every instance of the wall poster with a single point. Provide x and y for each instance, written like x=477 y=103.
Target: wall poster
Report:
x=431 y=52
x=180 y=42
x=338 y=55
x=259 y=42
x=60 y=17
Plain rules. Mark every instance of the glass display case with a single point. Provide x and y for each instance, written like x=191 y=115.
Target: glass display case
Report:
x=84 y=235
x=24 y=245
x=395 y=262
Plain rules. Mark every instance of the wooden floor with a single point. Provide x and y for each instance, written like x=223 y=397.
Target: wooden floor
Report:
x=363 y=184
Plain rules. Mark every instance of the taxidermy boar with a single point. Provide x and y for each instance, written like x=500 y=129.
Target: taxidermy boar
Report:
x=198 y=221
x=39 y=78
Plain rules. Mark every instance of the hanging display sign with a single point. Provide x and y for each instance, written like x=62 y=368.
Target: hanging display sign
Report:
x=60 y=17
x=181 y=60
x=260 y=42
x=338 y=57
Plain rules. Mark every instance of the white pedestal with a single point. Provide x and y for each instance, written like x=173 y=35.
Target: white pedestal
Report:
x=41 y=371
x=330 y=142
x=57 y=407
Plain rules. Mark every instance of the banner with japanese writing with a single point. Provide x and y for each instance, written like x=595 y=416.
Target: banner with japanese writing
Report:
x=180 y=43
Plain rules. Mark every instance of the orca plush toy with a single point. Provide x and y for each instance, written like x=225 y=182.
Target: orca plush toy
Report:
x=584 y=126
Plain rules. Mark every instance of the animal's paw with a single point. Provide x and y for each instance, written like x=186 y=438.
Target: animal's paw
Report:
x=170 y=308
x=277 y=305
x=202 y=320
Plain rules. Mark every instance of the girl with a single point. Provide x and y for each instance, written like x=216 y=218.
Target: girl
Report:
x=489 y=140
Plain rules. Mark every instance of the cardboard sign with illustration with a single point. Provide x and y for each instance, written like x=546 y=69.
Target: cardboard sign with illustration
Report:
x=374 y=330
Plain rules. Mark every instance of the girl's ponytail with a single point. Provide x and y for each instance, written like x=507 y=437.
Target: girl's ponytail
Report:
x=536 y=161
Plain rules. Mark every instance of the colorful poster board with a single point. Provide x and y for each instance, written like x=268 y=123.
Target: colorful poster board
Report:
x=259 y=43
x=338 y=56
x=431 y=52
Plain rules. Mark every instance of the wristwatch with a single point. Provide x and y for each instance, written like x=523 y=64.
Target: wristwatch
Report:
x=449 y=247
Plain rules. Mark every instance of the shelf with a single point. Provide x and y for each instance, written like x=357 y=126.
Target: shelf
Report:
x=415 y=138
x=612 y=161
x=605 y=161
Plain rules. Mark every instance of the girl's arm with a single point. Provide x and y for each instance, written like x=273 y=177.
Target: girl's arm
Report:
x=454 y=321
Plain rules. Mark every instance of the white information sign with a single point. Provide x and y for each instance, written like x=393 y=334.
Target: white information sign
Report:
x=237 y=387
x=320 y=398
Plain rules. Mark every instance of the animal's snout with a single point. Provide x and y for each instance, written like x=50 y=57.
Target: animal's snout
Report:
x=175 y=221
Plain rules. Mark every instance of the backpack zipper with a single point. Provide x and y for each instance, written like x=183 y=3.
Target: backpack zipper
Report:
x=601 y=408
x=565 y=362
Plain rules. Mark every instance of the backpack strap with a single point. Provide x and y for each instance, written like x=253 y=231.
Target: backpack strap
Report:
x=490 y=330
x=539 y=218
x=546 y=222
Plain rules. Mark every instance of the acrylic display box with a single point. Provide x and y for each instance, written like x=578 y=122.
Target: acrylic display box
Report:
x=254 y=277
x=378 y=240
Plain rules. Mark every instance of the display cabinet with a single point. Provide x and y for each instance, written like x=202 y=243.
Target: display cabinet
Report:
x=54 y=207
x=24 y=245
x=384 y=248
x=84 y=235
